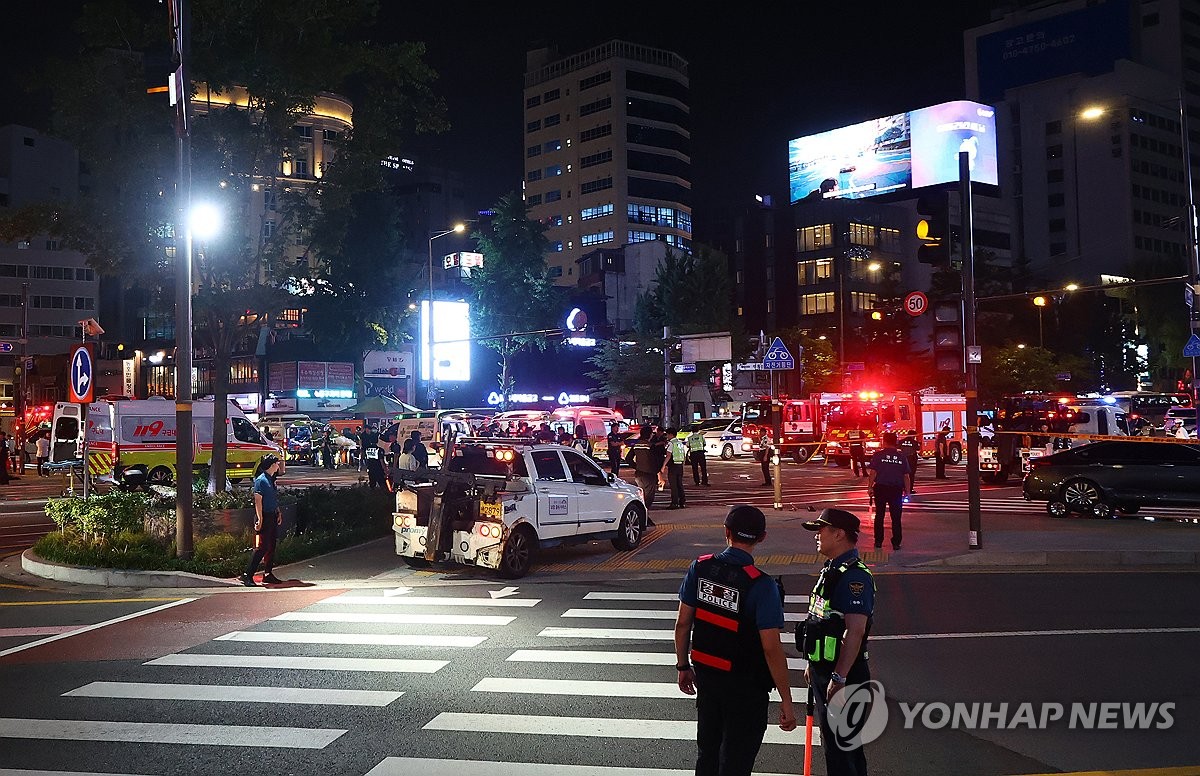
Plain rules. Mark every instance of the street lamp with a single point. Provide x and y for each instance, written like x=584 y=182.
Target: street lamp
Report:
x=433 y=392
x=1040 y=303
x=205 y=220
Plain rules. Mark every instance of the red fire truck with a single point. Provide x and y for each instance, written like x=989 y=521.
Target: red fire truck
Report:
x=862 y=418
x=801 y=421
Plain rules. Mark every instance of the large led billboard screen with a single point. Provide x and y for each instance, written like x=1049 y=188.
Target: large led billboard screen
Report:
x=451 y=342
x=895 y=153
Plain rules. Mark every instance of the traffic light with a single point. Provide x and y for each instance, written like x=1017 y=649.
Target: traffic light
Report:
x=948 y=336
x=934 y=231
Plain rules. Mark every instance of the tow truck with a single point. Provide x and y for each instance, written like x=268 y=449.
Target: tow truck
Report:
x=863 y=417
x=493 y=503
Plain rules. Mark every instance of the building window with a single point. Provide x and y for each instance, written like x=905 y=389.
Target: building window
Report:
x=889 y=240
x=331 y=135
x=861 y=301
x=769 y=241
x=588 y=213
x=815 y=304
x=534 y=101
x=551 y=95
x=533 y=175
x=554 y=221
x=1054 y=151
x=29 y=142
x=23 y=245
x=534 y=199
x=770 y=305
x=532 y=151
x=770 y=273
x=534 y=125
x=597 y=185
x=594 y=159
x=553 y=196
x=554 y=170
x=588 y=109
x=604 y=130
x=1053 y=127
x=740 y=277
x=556 y=246
x=1056 y=200
x=552 y=120
x=815 y=271
x=1058 y=249
x=596 y=238
x=268 y=229
x=639 y=236
x=1054 y=176
x=555 y=272
x=1058 y=224
x=595 y=80
x=550 y=146
x=862 y=234
x=811 y=238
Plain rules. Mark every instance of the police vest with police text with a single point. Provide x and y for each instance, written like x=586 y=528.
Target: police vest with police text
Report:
x=695 y=442
x=725 y=638
x=823 y=630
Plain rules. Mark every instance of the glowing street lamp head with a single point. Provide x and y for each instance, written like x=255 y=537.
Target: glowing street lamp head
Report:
x=1039 y=301
x=874 y=266
x=1091 y=113
x=1071 y=287
x=205 y=220
x=460 y=228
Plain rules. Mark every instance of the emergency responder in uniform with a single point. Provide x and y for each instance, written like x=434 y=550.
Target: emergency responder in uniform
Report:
x=767 y=452
x=910 y=445
x=941 y=454
x=858 y=457
x=645 y=473
x=677 y=453
x=727 y=649
x=834 y=636
x=889 y=480
x=615 y=442
x=695 y=444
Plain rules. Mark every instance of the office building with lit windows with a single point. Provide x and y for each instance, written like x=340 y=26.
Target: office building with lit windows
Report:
x=607 y=150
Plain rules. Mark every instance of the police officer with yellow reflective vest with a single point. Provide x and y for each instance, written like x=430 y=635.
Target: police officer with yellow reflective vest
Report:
x=728 y=651
x=677 y=452
x=834 y=636
x=695 y=445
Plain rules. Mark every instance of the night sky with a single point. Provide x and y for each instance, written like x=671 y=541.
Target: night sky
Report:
x=757 y=79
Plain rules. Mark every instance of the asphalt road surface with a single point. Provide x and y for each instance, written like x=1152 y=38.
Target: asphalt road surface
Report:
x=480 y=677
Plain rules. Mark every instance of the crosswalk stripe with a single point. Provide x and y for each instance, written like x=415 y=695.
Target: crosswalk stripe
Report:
x=26 y=772
x=603 y=657
x=291 y=662
x=363 y=639
x=233 y=693
x=608 y=633
x=623 y=614
x=394 y=618
x=403 y=766
x=590 y=727
x=404 y=600
x=607 y=596
x=169 y=733
x=601 y=689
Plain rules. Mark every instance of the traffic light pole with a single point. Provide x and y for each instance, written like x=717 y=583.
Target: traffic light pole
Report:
x=966 y=216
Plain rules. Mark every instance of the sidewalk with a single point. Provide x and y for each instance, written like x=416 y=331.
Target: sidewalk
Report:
x=30 y=487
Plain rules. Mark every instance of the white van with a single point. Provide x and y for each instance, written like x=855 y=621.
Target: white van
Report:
x=132 y=441
x=596 y=422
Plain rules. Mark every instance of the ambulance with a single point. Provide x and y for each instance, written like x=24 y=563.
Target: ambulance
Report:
x=132 y=441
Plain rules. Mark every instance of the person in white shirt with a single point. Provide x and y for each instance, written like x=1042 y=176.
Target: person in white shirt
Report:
x=43 y=453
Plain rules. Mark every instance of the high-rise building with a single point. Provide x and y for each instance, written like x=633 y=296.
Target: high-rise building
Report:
x=607 y=150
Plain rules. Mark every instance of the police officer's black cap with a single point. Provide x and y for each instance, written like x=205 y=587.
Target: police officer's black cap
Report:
x=746 y=523
x=835 y=518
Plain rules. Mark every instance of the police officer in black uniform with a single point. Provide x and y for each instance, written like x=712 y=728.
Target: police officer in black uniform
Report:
x=910 y=445
x=889 y=480
x=728 y=651
x=834 y=636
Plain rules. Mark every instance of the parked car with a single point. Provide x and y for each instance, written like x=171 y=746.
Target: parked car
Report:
x=1104 y=477
x=722 y=437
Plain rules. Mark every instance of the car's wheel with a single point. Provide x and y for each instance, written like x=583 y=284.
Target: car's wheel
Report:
x=1056 y=508
x=415 y=563
x=518 y=553
x=629 y=530
x=727 y=453
x=1129 y=510
x=160 y=475
x=237 y=480
x=801 y=454
x=956 y=454
x=1102 y=510
x=1084 y=496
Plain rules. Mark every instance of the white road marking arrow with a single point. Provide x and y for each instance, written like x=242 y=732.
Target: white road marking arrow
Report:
x=398 y=591
x=503 y=593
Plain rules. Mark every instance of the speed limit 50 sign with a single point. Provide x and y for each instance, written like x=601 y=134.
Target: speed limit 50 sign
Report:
x=916 y=303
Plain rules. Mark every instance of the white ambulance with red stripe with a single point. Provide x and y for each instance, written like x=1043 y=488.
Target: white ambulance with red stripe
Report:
x=132 y=441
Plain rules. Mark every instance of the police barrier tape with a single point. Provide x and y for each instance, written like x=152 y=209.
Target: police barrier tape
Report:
x=1100 y=437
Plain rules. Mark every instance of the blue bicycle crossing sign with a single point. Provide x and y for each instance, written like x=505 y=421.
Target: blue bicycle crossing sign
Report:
x=778 y=357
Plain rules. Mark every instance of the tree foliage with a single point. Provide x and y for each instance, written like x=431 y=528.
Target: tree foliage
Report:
x=692 y=294
x=1011 y=369
x=630 y=367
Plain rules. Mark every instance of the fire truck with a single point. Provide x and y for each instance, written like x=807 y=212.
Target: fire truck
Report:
x=801 y=425
x=862 y=418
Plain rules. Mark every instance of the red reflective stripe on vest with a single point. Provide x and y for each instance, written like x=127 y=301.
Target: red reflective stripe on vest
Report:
x=705 y=557
x=723 y=622
x=712 y=661
x=752 y=572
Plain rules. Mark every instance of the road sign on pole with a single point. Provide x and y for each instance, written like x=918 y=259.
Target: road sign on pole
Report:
x=916 y=303
x=6 y=347
x=778 y=357
x=684 y=369
x=1192 y=348
x=80 y=388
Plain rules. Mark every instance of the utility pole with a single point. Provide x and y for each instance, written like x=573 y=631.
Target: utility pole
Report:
x=666 y=408
x=184 y=455
x=974 y=511
x=23 y=384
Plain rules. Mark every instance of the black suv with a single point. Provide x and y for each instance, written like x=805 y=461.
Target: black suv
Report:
x=1099 y=478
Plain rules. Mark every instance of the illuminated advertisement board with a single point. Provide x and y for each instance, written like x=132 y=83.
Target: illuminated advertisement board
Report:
x=451 y=342
x=895 y=153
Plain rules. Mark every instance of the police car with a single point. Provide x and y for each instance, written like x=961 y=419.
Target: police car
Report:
x=498 y=501
x=722 y=437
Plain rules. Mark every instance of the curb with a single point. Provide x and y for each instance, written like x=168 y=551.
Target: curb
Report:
x=1070 y=558
x=87 y=575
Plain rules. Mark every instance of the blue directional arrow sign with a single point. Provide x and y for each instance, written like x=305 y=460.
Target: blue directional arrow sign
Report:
x=778 y=357
x=79 y=378
x=1192 y=348
x=6 y=347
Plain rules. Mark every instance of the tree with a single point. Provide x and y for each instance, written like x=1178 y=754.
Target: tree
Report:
x=1012 y=369
x=284 y=54
x=818 y=363
x=512 y=293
